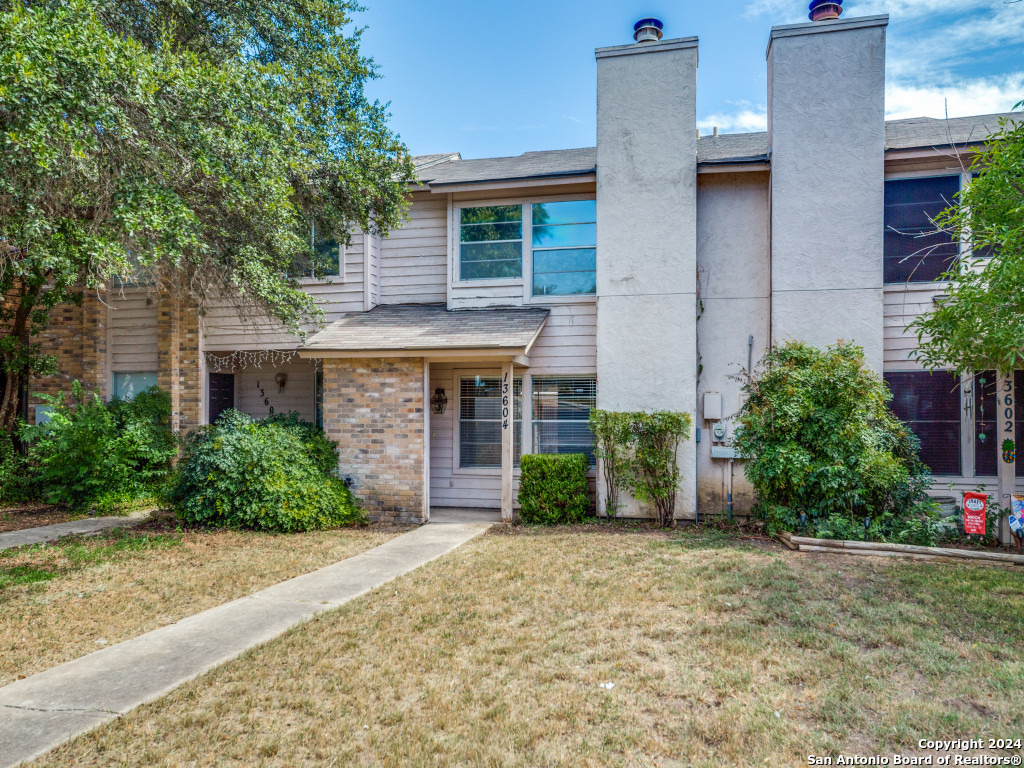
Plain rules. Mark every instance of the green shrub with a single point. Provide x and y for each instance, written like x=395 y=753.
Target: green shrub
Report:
x=553 y=488
x=322 y=450
x=826 y=455
x=261 y=475
x=90 y=450
x=14 y=479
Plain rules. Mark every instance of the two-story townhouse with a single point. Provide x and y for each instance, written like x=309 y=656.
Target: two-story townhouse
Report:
x=643 y=273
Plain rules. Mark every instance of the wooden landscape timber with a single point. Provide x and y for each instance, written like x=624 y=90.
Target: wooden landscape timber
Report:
x=882 y=549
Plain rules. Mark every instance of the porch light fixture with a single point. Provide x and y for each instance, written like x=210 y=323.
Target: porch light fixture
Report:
x=281 y=379
x=438 y=402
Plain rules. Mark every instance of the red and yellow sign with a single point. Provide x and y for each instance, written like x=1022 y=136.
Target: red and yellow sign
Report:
x=974 y=512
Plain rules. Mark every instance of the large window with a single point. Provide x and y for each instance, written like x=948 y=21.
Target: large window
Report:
x=914 y=251
x=128 y=385
x=564 y=248
x=491 y=242
x=480 y=421
x=930 y=404
x=561 y=413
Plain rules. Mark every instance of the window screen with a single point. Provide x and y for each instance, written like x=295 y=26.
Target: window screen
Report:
x=561 y=415
x=564 y=248
x=491 y=242
x=930 y=405
x=913 y=251
x=128 y=385
x=480 y=421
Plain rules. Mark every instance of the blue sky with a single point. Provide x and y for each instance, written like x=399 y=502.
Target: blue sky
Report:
x=489 y=78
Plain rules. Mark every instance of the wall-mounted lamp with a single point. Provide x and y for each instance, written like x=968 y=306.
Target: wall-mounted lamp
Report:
x=281 y=379
x=438 y=402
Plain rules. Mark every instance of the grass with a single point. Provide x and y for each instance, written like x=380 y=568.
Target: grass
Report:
x=721 y=652
x=64 y=599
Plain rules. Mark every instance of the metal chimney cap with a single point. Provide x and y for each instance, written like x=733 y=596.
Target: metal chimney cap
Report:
x=647 y=30
x=823 y=10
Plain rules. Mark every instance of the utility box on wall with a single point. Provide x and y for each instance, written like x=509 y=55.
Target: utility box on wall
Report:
x=712 y=406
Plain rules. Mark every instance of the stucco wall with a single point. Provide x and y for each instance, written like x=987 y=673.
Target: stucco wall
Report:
x=734 y=271
x=646 y=235
x=827 y=133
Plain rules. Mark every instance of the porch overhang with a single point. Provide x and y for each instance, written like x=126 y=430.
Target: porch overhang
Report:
x=431 y=332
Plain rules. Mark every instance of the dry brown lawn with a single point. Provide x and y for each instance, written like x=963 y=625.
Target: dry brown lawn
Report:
x=721 y=652
x=63 y=600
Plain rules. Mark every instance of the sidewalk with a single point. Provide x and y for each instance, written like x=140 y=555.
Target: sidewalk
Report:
x=44 y=710
x=60 y=530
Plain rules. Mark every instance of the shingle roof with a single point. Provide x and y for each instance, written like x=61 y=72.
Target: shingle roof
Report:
x=914 y=133
x=733 y=148
x=928 y=132
x=410 y=327
x=529 y=165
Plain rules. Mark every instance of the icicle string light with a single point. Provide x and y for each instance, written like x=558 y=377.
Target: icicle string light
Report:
x=241 y=360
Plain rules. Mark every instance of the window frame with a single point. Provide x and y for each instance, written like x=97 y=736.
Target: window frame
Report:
x=115 y=374
x=458 y=288
x=907 y=176
x=533 y=249
x=311 y=279
x=534 y=421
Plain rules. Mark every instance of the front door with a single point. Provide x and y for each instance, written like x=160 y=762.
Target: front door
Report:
x=222 y=394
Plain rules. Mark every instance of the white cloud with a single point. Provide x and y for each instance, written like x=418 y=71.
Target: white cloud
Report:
x=747 y=118
x=981 y=96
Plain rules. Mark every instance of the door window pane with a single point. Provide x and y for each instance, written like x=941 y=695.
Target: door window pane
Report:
x=913 y=251
x=929 y=403
x=480 y=420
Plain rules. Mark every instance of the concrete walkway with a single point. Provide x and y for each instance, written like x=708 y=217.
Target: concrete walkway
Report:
x=60 y=530
x=46 y=709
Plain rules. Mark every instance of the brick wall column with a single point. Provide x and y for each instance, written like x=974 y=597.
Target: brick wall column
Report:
x=95 y=366
x=179 y=358
x=374 y=409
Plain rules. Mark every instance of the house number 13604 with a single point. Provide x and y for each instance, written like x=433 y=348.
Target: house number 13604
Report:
x=504 y=401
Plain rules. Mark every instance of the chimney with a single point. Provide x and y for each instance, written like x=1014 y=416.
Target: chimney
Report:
x=826 y=136
x=647 y=30
x=823 y=10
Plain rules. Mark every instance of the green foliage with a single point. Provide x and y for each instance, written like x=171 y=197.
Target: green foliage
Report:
x=823 y=443
x=553 y=488
x=181 y=145
x=977 y=327
x=14 y=483
x=261 y=475
x=322 y=450
x=92 y=453
x=642 y=449
x=611 y=438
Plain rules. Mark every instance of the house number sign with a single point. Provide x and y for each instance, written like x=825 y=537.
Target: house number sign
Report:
x=266 y=400
x=504 y=401
x=1008 y=446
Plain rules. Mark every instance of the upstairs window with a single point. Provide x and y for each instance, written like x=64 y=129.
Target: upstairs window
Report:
x=929 y=403
x=326 y=260
x=564 y=248
x=914 y=251
x=491 y=242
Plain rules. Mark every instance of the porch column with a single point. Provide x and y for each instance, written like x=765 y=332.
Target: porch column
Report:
x=1005 y=431
x=507 y=441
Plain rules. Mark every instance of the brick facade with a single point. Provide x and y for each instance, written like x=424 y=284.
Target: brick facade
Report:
x=78 y=337
x=374 y=408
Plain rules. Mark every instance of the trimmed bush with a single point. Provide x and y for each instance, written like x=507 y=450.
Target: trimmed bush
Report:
x=96 y=454
x=261 y=475
x=321 y=449
x=553 y=488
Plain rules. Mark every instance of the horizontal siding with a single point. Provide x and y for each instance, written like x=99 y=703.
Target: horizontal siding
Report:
x=225 y=329
x=568 y=343
x=902 y=305
x=133 y=330
x=256 y=393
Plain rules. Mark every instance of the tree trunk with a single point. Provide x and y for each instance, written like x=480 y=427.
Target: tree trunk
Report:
x=9 y=401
